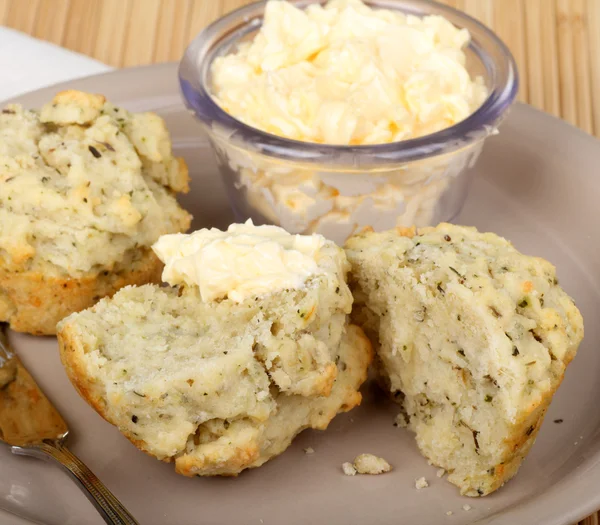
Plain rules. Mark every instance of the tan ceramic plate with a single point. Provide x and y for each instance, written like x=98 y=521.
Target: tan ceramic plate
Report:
x=537 y=184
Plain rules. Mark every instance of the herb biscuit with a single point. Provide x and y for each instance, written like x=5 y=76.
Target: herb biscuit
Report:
x=471 y=336
x=201 y=384
x=85 y=189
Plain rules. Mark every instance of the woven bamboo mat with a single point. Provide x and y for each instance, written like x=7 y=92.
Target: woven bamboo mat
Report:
x=556 y=42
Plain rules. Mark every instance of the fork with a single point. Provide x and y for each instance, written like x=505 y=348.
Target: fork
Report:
x=31 y=426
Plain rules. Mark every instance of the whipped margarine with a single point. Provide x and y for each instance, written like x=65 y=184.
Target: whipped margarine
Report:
x=347 y=74
x=244 y=261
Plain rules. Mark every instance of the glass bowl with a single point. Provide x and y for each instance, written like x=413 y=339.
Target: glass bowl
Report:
x=336 y=190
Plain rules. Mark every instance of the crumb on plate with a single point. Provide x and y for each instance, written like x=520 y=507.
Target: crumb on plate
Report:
x=421 y=483
x=371 y=464
x=348 y=469
x=366 y=464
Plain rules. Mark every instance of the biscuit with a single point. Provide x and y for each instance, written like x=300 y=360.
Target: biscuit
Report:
x=471 y=337
x=85 y=189
x=190 y=382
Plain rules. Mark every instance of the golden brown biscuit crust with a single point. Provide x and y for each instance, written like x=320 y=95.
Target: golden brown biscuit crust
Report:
x=73 y=107
x=33 y=302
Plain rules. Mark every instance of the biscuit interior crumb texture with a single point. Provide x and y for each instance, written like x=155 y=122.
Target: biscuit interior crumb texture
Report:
x=473 y=337
x=85 y=189
x=421 y=483
x=221 y=386
x=348 y=469
x=371 y=464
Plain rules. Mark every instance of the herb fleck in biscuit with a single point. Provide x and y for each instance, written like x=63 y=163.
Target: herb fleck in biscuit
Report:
x=85 y=189
x=472 y=335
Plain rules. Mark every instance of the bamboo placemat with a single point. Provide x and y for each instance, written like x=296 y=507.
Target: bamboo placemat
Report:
x=556 y=42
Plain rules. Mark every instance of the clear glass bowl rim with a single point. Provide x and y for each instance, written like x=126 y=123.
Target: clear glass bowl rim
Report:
x=476 y=127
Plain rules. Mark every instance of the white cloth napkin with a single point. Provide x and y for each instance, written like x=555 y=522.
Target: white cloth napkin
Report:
x=27 y=63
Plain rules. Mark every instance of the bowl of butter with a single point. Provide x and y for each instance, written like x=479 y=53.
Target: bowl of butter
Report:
x=329 y=117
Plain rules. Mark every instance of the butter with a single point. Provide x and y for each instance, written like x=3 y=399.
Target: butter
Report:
x=244 y=261
x=345 y=73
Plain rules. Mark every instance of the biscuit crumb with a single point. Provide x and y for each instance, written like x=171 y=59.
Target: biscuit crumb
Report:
x=366 y=464
x=348 y=469
x=400 y=421
x=467 y=507
x=449 y=513
x=421 y=483
x=371 y=464
x=309 y=450
x=440 y=473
